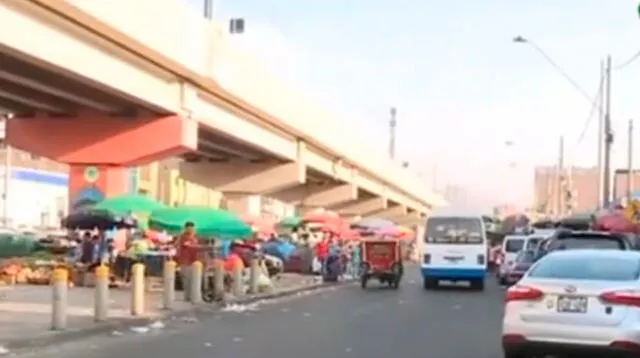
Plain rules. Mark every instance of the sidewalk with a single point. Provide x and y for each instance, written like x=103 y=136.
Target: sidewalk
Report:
x=25 y=311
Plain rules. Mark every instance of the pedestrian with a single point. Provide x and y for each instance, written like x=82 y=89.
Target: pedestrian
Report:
x=187 y=249
x=321 y=252
x=355 y=260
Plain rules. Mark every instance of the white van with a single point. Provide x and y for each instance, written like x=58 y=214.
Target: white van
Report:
x=511 y=246
x=454 y=249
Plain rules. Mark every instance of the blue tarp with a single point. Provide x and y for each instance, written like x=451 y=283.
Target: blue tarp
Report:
x=279 y=248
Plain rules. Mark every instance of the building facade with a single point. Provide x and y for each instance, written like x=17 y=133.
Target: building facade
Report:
x=582 y=183
x=36 y=193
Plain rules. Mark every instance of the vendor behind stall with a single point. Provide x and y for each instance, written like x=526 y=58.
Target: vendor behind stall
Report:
x=187 y=249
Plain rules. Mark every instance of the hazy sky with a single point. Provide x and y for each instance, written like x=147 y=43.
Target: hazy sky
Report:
x=462 y=87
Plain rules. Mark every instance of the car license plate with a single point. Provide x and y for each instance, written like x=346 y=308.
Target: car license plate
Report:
x=572 y=304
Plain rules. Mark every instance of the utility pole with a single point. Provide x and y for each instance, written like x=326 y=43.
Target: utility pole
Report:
x=208 y=9
x=630 y=173
x=560 y=179
x=601 y=133
x=392 y=133
x=7 y=172
x=608 y=139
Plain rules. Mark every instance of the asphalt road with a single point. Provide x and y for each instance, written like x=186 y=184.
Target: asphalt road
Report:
x=342 y=323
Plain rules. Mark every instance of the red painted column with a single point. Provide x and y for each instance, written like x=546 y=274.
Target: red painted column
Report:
x=100 y=148
x=89 y=184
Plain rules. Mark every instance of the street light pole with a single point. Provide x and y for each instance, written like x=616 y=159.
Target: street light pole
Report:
x=608 y=139
x=392 y=133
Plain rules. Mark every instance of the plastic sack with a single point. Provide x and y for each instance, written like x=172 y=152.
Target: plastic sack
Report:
x=316 y=266
x=264 y=283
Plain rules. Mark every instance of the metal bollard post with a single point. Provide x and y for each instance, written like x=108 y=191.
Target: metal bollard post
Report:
x=195 y=283
x=254 y=272
x=238 y=280
x=101 y=294
x=169 y=284
x=137 y=289
x=218 y=279
x=60 y=285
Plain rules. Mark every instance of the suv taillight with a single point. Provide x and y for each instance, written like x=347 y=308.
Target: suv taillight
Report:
x=426 y=258
x=481 y=259
x=623 y=297
x=522 y=293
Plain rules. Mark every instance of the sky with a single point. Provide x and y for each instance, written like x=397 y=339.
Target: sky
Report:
x=463 y=89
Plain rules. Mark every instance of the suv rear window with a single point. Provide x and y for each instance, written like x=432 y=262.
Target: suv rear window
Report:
x=583 y=242
x=587 y=268
x=532 y=242
x=513 y=245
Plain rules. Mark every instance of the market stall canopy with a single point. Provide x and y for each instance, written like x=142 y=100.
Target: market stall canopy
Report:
x=264 y=227
x=92 y=218
x=373 y=224
x=208 y=222
x=290 y=222
x=616 y=222
x=129 y=204
x=397 y=232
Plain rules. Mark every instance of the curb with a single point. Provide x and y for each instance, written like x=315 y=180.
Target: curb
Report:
x=122 y=324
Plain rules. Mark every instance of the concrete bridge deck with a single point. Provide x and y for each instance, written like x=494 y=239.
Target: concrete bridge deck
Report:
x=110 y=84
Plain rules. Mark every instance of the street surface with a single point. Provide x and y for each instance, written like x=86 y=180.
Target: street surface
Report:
x=342 y=322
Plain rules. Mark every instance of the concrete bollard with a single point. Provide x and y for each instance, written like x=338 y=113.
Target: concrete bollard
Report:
x=238 y=280
x=169 y=284
x=254 y=272
x=60 y=287
x=195 y=283
x=101 y=294
x=218 y=279
x=137 y=289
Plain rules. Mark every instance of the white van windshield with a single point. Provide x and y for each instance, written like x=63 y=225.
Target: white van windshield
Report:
x=454 y=230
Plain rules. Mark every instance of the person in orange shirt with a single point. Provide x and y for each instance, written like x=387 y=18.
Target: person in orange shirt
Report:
x=187 y=249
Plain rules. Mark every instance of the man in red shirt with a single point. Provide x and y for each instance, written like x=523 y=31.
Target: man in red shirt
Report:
x=186 y=254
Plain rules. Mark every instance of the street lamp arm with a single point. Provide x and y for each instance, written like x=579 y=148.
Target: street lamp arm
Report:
x=576 y=86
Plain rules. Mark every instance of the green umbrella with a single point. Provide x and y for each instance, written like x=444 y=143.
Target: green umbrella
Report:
x=208 y=222
x=290 y=222
x=130 y=204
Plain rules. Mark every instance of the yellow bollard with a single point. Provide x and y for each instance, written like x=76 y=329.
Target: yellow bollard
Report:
x=238 y=280
x=101 y=294
x=218 y=279
x=169 y=285
x=195 y=282
x=137 y=289
x=254 y=272
x=60 y=286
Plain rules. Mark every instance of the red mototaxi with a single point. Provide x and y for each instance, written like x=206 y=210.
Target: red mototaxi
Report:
x=381 y=259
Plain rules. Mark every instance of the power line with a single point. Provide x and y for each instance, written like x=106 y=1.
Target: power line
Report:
x=595 y=105
x=628 y=62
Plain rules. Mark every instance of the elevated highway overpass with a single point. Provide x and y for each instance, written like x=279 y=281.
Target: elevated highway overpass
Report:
x=104 y=86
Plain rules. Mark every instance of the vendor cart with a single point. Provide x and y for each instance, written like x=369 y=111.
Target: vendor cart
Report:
x=382 y=260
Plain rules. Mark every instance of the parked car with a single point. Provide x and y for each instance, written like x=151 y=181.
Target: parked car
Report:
x=575 y=303
x=521 y=265
x=569 y=240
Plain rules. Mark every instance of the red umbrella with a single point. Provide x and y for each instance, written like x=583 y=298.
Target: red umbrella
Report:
x=320 y=217
x=328 y=221
x=616 y=222
x=262 y=226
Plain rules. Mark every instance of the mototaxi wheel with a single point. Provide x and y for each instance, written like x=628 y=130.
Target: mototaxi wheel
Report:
x=363 y=281
x=395 y=283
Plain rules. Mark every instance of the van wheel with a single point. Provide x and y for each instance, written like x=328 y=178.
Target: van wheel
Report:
x=430 y=283
x=477 y=285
